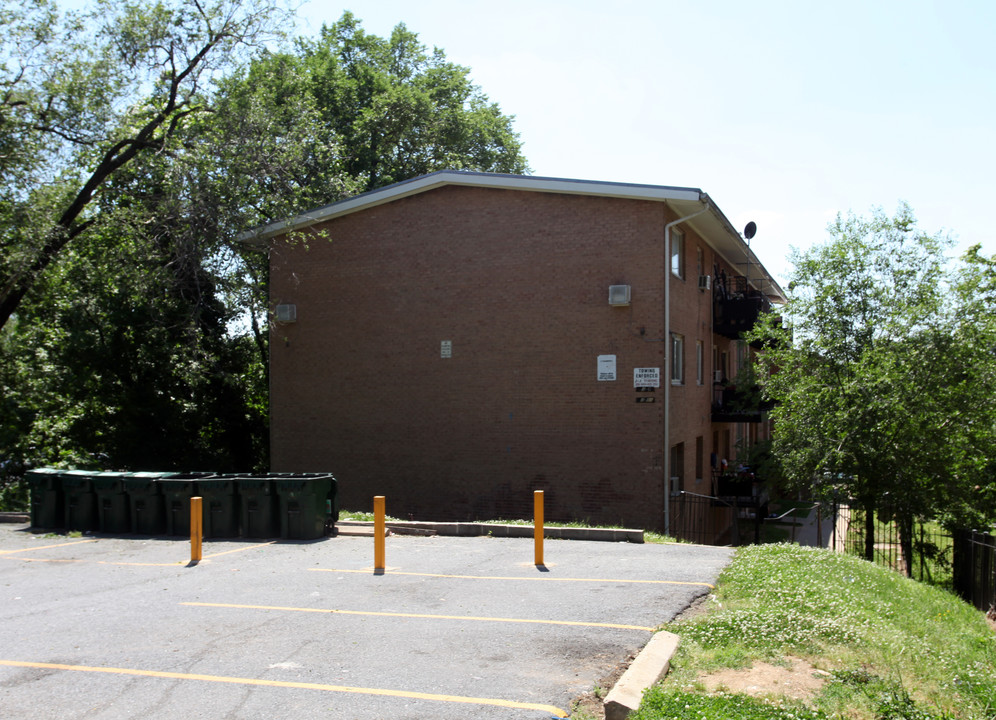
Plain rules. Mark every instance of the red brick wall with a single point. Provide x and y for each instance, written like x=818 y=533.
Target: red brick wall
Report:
x=518 y=282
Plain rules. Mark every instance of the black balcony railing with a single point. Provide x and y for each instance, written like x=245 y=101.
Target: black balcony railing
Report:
x=736 y=307
x=733 y=404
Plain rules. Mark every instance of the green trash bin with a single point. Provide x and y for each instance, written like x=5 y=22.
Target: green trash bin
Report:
x=80 y=499
x=177 y=489
x=220 y=506
x=260 y=506
x=47 y=500
x=146 y=506
x=112 y=502
x=308 y=504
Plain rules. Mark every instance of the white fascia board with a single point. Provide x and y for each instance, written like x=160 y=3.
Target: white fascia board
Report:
x=730 y=245
x=442 y=178
x=685 y=201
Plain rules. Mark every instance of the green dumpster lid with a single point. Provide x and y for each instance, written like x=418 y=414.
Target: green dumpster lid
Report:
x=300 y=476
x=45 y=471
x=215 y=483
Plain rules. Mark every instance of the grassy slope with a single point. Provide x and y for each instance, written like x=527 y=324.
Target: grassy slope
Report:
x=893 y=648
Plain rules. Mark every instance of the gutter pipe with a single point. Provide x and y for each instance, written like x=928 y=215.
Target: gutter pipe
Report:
x=667 y=363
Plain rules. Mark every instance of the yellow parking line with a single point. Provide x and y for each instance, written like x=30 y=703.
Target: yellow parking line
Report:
x=255 y=546
x=423 y=616
x=533 y=577
x=297 y=685
x=48 y=560
x=46 y=547
x=112 y=562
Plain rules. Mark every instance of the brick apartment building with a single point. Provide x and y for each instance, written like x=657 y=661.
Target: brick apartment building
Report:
x=456 y=341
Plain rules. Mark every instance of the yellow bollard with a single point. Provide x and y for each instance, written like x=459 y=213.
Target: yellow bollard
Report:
x=196 y=529
x=538 y=526
x=379 y=532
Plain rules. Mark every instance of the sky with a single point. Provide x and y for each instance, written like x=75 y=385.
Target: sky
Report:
x=785 y=112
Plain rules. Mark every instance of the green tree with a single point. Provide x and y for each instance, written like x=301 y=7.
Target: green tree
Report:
x=140 y=333
x=133 y=368
x=83 y=95
x=400 y=111
x=876 y=366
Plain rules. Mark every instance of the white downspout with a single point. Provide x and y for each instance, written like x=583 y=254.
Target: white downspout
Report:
x=667 y=366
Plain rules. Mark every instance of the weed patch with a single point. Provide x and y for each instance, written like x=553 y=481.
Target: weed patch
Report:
x=886 y=646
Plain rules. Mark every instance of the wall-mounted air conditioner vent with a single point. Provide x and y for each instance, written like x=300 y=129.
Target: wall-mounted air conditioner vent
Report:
x=717 y=376
x=286 y=313
x=619 y=295
x=705 y=282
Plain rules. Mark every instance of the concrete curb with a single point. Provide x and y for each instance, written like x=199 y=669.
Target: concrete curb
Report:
x=14 y=517
x=650 y=665
x=473 y=529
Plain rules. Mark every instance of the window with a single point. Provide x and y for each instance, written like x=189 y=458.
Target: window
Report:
x=677 y=359
x=678 y=253
x=699 y=363
x=699 y=457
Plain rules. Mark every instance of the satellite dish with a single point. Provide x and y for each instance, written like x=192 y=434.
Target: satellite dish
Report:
x=750 y=230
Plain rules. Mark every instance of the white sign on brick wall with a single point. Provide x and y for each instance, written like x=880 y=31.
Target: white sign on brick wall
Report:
x=446 y=348
x=647 y=377
x=606 y=368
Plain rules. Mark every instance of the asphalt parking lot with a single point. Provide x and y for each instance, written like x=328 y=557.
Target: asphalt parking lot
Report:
x=125 y=627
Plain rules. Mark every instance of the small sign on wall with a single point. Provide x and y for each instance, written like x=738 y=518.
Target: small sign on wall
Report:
x=446 y=349
x=606 y=368
x=647 y=377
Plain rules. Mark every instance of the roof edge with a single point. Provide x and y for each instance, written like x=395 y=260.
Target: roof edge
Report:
x=528 y=183
x=464 y=178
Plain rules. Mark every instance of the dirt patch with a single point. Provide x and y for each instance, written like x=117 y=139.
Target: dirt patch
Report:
x=589 y=705
x=797 y=680
x=699 y=606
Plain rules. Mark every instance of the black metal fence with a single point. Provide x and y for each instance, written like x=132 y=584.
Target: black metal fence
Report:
x=920 y=548
x=709 y=520
x=923 y=550
x=975 y=569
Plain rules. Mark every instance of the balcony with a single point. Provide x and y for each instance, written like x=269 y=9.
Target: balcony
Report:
x=736 y=307
x=742 y=489
x=738 y=403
